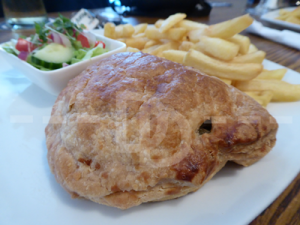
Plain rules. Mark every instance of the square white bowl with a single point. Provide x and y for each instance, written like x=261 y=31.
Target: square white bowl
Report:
x=56 y=80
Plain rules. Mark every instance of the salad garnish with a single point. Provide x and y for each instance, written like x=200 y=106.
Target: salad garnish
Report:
x=57 y=45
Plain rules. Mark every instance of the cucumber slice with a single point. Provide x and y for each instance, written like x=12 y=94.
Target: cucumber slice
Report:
x=48 y=65
x=55 y=53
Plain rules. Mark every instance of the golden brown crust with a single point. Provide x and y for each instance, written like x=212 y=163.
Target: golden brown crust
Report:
x=126 y=130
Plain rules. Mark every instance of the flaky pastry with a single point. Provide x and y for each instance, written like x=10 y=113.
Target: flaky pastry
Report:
x=135 y=128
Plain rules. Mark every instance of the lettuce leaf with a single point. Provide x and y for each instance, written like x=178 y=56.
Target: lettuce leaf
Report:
x=82 y=54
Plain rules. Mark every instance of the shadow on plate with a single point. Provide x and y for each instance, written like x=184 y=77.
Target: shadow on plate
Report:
x=37 y=97
x=15 y=77
x=33 y=94
x=229 y=170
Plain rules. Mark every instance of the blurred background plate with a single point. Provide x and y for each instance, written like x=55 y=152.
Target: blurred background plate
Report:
x=271 y=18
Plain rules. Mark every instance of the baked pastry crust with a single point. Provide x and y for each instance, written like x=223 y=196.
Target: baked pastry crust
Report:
x=126 y=130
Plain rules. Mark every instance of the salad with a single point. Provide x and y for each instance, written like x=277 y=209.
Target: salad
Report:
x=57 y=45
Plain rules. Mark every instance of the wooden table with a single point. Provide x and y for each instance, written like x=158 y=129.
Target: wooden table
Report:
x=286 y=208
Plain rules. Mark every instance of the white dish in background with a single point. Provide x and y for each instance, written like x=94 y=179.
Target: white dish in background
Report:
x=54 y=81
x=271 y=18
x=29 y=193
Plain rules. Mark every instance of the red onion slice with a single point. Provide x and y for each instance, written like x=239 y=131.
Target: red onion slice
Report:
x=23 y=55
x=65 y=41
x=55 y=38
x=60 y=38
x=65 y=64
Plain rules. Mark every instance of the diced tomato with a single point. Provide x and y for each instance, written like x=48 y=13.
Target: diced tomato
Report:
x=24 y=45
x=84 y=41
x=100 y=42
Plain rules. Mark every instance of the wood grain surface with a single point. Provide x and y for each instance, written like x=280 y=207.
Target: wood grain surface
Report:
x=285 y=210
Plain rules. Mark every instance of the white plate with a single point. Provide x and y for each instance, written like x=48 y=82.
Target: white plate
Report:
x=29 y=193
x=270 y=17
x=54 y=81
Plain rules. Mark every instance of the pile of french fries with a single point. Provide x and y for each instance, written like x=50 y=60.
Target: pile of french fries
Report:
x=217 y=50
x=290 y=16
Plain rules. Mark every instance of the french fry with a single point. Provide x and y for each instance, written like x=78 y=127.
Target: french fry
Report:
x=191 y=25
x=296 y=12
x=195 y=35
x=184 y=38
x=218 y=48
x=158 y=23
x=242 y=41
x=124 y=31
x=213 y=67
x=140 y=28
x=282 y=91
x=262 y=97
x=171 y=21
x=254 y=57
x=283 y=12
x=226 y=81
x=128 y=30
x=293 y=19
x=230 y=27
x=119 y=31
x=290 y=16
x=186 y=45
x=282 y=17
x=272 y=74
x=174 y=55
x=140 y=35
x=122 y=40
x=266 y=97
x=174 y=34
x=252 y=48
x=109 y=30
x=168 y=46
x=151 y=43
x=138 y=43
x=150 y=49
x=255 y=97
x=154 y=34
x=130 y=49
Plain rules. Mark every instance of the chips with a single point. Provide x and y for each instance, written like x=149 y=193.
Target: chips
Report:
x=272 y=74
x=281 y=90
x=254 y=57
x=290 y=16
x=174 y=34
x=159 y=50
x=229 y=28
x=216 y=50
x=190 y=25
x=242 y=41
x=140 y=28
x=123 y=31
x=138 y=43
x=186 y=45
x=171 y=21
x=262 y=97
x=213 y=67
x=130 y=49
x=174 y=55
x=109 y=30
